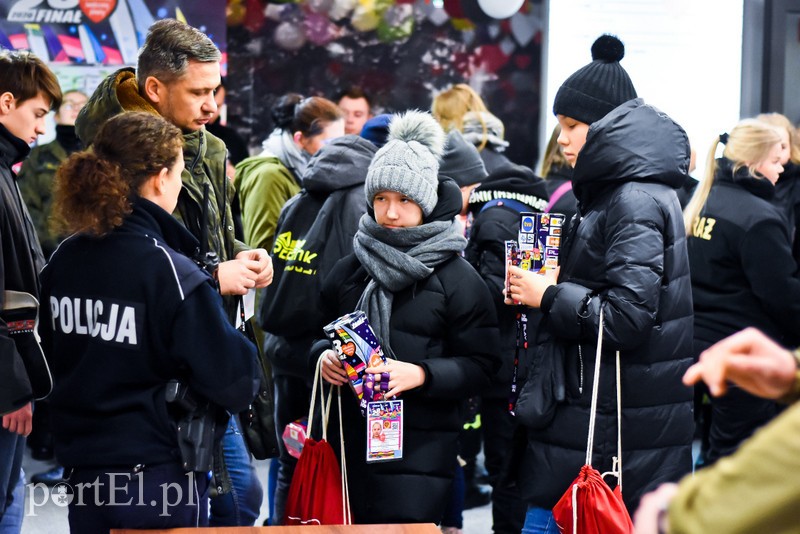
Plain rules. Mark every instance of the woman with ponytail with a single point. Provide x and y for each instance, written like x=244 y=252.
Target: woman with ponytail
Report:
x=432 y=314
x=743 y=273
x=124 y=312
x=265 y=182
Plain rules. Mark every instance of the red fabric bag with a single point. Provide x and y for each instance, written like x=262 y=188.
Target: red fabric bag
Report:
x=318 y=494
x=589 y=506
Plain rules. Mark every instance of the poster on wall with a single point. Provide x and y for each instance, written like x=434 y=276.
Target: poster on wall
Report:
x=98 y=32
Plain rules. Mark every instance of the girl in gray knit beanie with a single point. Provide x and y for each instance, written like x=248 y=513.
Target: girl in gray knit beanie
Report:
x=432 y=314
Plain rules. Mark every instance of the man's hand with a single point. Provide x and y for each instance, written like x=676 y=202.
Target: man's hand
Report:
x=652 y=508
x=750 y=359
x=237 y=276
x=19 y=422
x=264 y=270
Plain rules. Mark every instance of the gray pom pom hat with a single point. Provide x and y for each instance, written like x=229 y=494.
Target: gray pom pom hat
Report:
x=409 y=162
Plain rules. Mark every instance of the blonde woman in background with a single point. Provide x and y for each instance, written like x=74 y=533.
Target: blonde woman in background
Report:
x=742 y=270
x=461 y=108
x=557 y=173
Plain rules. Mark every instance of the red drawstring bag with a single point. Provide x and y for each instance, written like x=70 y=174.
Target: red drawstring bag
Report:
x=589 y=506
x=318 y=494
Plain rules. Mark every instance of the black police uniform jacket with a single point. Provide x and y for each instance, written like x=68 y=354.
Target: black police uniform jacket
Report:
x=447 y=325
x=20 y=262
x=121 y=316
x=491 y=227
x=743 y=272
x=627 y=253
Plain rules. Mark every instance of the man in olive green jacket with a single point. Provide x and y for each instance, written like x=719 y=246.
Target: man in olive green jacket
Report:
x=177 y=73
x=755 y=490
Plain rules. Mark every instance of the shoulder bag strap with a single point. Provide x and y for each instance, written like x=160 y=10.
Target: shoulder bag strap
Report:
x=557 y=194
x=616 y=469
x=325 y=405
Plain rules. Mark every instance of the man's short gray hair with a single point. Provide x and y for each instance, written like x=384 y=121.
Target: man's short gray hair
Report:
x=169 y=47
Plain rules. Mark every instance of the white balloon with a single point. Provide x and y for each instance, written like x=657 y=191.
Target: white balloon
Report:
x=500 y=9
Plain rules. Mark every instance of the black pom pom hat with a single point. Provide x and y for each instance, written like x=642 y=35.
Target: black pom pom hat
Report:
x=602 y=85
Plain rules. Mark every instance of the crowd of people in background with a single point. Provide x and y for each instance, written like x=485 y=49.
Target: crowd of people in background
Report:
x=141 y=230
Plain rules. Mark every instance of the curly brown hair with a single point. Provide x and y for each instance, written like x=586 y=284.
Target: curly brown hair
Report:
x=94 y=188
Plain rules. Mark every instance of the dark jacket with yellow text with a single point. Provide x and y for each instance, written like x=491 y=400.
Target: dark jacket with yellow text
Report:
x=315 y=230
x=743 y=272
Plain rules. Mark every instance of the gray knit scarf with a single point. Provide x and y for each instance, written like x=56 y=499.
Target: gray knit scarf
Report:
x=395 y=258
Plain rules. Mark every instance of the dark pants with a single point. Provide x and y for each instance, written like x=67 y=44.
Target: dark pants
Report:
x=508 y=511
x=157 y=497
x=292 y=398
x=735 y=417
x=12 y=448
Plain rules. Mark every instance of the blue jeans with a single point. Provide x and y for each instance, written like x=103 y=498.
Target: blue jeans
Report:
x=11 y=522
x=539 y=521
x=12 y=447
x=241 y=506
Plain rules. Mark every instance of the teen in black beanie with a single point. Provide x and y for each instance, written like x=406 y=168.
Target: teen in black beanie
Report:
x=625 y=255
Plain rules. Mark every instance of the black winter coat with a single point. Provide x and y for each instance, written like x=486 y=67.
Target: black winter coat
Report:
x=743 y=272
x=446 y=324
x=486 y=252
x=20 y=262
x=787 y=197
x=628 y=255
x=315 y=230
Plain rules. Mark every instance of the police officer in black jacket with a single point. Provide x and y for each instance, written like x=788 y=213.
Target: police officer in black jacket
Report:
x=125 y=314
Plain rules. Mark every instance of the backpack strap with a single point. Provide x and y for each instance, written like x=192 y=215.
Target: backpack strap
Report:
x=515 y=205
x=557 y=194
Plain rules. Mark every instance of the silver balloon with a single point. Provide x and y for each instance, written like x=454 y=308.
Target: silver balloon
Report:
x=500 y=9
x=290 y=36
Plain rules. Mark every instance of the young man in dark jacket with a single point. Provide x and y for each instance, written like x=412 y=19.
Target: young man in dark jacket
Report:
x=28 y=91
x=177 y=72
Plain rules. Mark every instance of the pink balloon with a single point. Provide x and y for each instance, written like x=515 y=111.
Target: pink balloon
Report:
x=319 y=29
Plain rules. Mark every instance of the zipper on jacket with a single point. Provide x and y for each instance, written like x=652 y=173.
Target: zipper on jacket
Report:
x=580 y=363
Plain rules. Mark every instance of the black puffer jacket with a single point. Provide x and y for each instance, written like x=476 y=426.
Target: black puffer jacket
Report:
x=628 y=255
x=737 y=234
x=315 y=230
x=486 y=252
x=446 y=324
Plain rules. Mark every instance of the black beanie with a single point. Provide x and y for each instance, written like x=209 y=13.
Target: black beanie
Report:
x=602 y=85
x=461 y=161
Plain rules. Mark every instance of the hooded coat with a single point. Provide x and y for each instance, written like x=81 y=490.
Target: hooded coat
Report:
x=315 y=230
x=447 y=325
x=626 y=253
